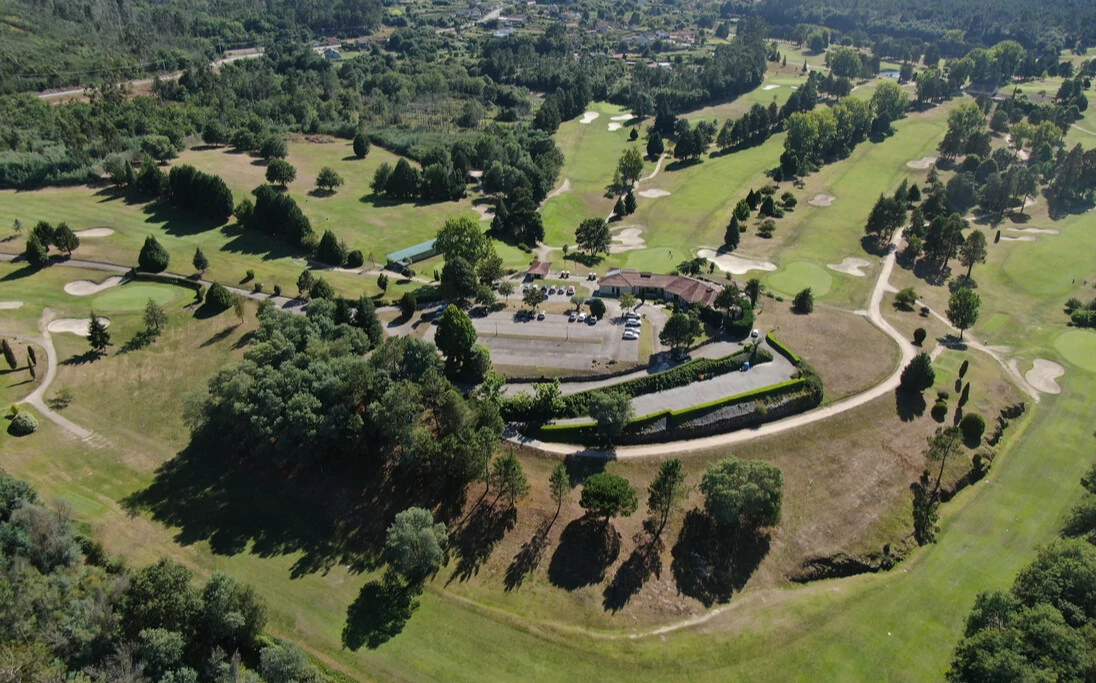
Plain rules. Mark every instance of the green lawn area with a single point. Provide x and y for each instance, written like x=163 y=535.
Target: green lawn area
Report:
x=1078 y=347
x=799 y=275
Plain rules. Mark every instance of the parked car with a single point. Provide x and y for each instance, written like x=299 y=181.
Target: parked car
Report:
x=571 y=290
x=755 y=334
x=633 y=323
x=540 y=315
x=582 y=317
x=591 y=320
x=591 y=276
x=551 y=290
x=572 y=317
x=631 y=315
x=631 y=335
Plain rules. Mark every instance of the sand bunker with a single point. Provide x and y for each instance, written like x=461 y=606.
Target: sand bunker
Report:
x=1042 y=376
x=87 y=287
x=10 y=305
x=589 y=117
x=822 y=200
x=736 y=265
x=615 y=126
x=1021 y=238
x=94 y=232
x=1037 y=231
x=850 y=266
x=654 y=193
x=922 y=164
x=622 y=117
x=628 y=239
x=485 y=211
x=78 y=326
x=771 y=86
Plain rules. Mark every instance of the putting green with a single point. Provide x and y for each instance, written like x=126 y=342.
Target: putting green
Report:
x=797 y=276
x=134 y=296
x=1078 y=347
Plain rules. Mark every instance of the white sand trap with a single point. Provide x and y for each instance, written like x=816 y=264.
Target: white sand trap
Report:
x=78 y=326
x=1042 y=376
x=850 y=266
x=94 y=232
x=822 y=200
x=10 y=305
x=736 y=265
x=87 y=287
x=771 y=86
x=1030 y=201
x=615 y=126
x=622 y=117
x=1021 y=238
x=628 y=239
x=1035 y=231
x=922 y=164
x=486 y=212
x=589 y=117
x=795 y=87
x=654 y=193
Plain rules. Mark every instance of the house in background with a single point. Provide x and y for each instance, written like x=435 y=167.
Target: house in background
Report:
x=539 y=270
x=681 y=289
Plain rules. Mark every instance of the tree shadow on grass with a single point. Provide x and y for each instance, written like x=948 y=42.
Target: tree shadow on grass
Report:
x=89 y=356
x=931 y=273
x=909 y=404
x=588 y=260
x=644 y=562
x=219 y=337
x=379 y=613
x=255 y=243
x=139 y=341
x=587 y=547
x=177 y=222
x=528 y=558
x=476 y=538
x=25 y=271
x=711 y=562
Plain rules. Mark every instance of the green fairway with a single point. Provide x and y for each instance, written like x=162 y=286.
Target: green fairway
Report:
x=1078 y=347
x=134 y=296
x=799 y=275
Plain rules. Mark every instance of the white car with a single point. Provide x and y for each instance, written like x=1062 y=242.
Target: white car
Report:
x=581 y=317
x=631 y=315
x=631 y=335
x=633 y=323
x=755 y=334
x=540 y=315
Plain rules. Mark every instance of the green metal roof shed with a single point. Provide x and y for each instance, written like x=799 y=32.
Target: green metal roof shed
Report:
x=412 y=254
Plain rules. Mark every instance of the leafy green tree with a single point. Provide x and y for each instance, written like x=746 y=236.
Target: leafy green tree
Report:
x=98 y=337
x=804 y=301
x=415 y=545
x=455 y=338
x=328 y=179
x=666 y=493
x=630 y=166
x=733 y=235
x=408 y=304
x=506 y=288
x=1063 y=575
x=219 y=298
x=628 y=301
x=286 y=663
x=65 y=239
x=608 y=495
x=404 y=181
x=322 y=289
x=458 y=279
x=280 y=172
x=630 y=204
x=593 y=236
x=160 y=651
x=906 y=298
x=463 y=238
x=330 y=250
x=155 y=318
x=889 y=102
x=273 y=147
x=680 y=331
x=490 y=270
x=9 y=354
x=361 y=145
x=365 y=318
x=160 y=596
x=35 y=252
x=919 y=374
x=509 y=478
x=597 y=307
x=559 y=485
x=612 y=411
x=619 y=210
x=886 y=217
x=743 y=493
x=305 y=282
x=200 y=262
x=533 y=297
x=963 y=308
x=379 y=184
x=233 y=615
x=153 y=257
x=655 y=146
x=973 y=250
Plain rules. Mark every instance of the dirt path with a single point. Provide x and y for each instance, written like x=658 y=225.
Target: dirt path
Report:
x=1083 y=130
x=565 y=186
x=658 y=167
x=35 y=399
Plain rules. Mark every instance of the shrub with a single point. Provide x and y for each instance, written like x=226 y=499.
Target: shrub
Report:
x=1083 y=318
x=919 y=374
x=939 y=411
x=972 y=426
x=218 y=297
x=277 y=290
x=906 y=299
x=767 y=228
x=1073 y=303
x=355 y=259
x=257 y=288
x=408 y=304
x=23 y=424
x=919 y=336
x=249 y=276
x=153 y=257
x=963 y=369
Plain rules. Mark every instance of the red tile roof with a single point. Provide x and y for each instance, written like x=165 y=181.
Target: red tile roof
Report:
x=684 y=287
x=540 y=268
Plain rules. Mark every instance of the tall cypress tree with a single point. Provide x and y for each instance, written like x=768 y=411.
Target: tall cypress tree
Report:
x=733 y=236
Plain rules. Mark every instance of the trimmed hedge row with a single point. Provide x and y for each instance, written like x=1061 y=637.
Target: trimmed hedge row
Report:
x=586 y=433
x=783 y=350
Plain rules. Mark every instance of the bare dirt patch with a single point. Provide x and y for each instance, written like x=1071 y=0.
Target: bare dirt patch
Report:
x=1043 y=374
x=736 y=265
x=821 y=200
x=850 y=266
x=87 y=287
x=77 y=326
x=95 y=232
x=922 y=164
x=654 y=193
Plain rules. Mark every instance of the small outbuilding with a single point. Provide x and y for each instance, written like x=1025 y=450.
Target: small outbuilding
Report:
x=539 y=270
x=399 y=260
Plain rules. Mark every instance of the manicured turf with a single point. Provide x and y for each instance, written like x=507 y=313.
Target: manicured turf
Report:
x=799 y=275
x=134 y=296
x=1078 y=347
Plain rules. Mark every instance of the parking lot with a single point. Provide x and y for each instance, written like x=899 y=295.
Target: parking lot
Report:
x=554 y=341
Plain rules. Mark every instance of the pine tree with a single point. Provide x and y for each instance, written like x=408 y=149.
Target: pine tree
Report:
x=733 y=236
x=98 y=336
x=200 y=262
x=629 y=203
x=619 y=209
x=9 y=355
